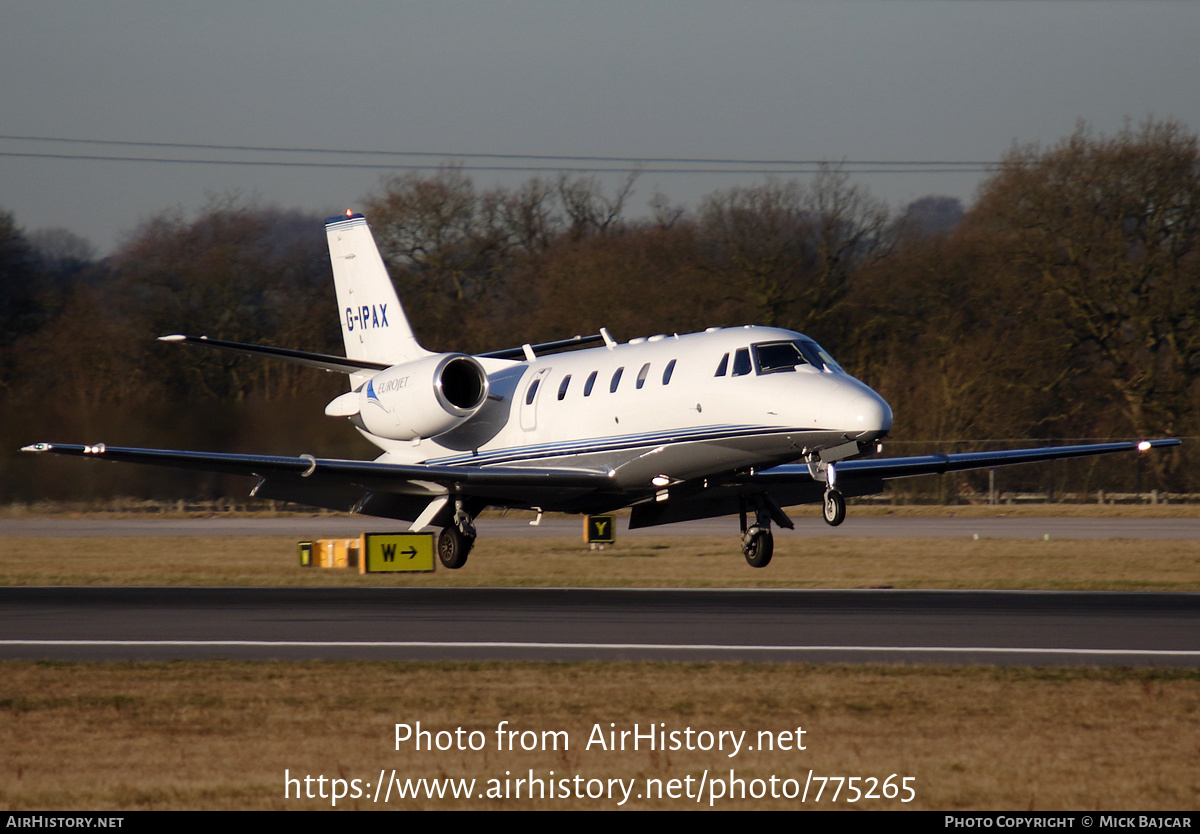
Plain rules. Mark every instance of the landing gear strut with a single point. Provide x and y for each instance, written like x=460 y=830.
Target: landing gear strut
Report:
x=455 y=541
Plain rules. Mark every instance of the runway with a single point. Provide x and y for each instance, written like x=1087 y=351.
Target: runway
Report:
x=514 y=527
x=1017 y=628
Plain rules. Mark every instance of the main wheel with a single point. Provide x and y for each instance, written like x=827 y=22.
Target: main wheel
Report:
x=453 y=548
x=834 y=508
x=758 y=546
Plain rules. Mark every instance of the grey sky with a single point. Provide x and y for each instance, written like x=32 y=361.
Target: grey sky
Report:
x=952 y=80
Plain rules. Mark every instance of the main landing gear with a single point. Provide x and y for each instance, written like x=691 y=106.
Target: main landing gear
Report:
x=455 y=541
x=758 y=543
x=758 y=546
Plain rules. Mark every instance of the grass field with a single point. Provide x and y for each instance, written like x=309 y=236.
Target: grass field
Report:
x=1061 y=564
x=220 y=735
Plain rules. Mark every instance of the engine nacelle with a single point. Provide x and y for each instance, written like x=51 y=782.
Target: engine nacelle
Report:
x=424 y=398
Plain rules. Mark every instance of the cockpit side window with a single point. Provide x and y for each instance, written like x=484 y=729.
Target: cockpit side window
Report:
x=811 y=354
x=773 y=357
x=741 y=362
x=824 y=354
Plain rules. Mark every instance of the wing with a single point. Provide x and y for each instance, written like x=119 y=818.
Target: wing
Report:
x=371 y=487
x=907 y=467
x=792 y=484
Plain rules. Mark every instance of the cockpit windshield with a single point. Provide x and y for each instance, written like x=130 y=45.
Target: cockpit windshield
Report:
x=774 y=357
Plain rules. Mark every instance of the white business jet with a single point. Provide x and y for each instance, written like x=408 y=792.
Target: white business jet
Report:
x=743 y=420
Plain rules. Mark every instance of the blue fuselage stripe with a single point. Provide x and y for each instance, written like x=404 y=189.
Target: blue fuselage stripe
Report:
x=611 y=444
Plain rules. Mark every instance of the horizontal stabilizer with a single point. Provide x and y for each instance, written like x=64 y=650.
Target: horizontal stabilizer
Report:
x=324 y=361
x=342 y=365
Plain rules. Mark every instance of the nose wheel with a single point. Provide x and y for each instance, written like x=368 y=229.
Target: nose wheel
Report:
x=834 y=508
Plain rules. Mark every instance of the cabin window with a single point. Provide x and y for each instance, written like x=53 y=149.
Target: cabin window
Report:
x=562 y=388
x=587 y=386
x=669 y=370
x=724 y=366
x=616 y=380
x=532 y=391
x=741 y=362
x=642 y=374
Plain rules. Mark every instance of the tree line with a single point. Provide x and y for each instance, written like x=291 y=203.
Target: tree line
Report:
x=1061 y=304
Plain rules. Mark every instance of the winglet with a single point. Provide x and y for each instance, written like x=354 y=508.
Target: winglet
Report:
x=67 y=448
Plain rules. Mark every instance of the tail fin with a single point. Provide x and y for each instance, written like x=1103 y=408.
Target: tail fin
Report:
x=374 y=326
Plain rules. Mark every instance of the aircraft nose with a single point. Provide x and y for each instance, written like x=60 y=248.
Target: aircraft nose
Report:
x=870 y=413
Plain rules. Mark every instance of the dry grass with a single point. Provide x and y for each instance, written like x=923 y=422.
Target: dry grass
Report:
x=131 y=509
x=219 y=735
x=638 y=562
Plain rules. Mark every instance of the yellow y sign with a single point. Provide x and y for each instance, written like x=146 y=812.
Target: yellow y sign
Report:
x=600 y=529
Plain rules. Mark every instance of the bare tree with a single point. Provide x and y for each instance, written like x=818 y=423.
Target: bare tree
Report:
x=1110 y=226
x=587 y=208
x=792 y=249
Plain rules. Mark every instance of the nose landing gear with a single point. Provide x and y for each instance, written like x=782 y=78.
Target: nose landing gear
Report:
x=833 y=508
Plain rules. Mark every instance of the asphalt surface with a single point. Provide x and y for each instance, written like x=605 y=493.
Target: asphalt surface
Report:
x=1022 y=628
x=1025 y=628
